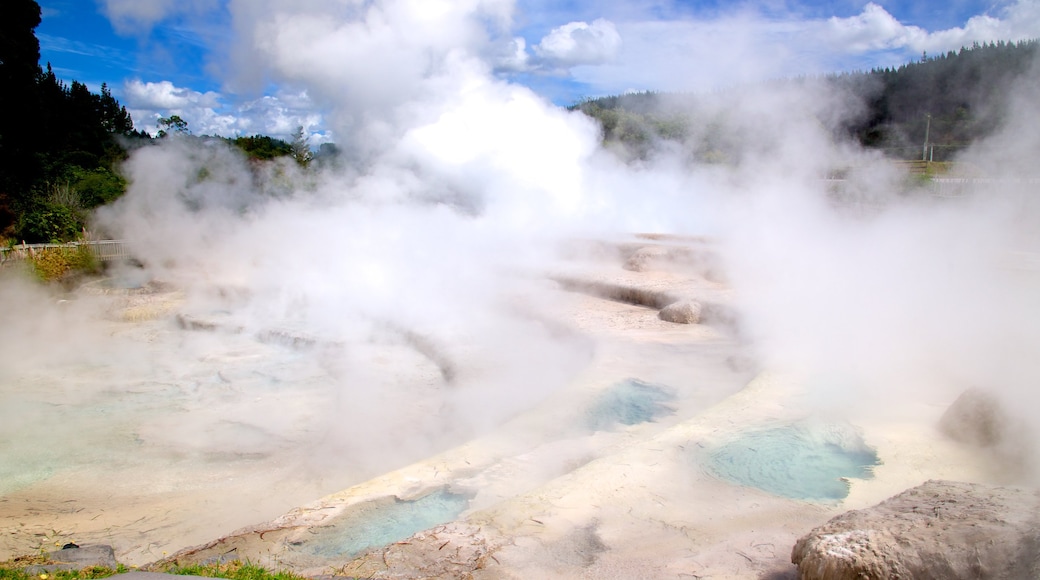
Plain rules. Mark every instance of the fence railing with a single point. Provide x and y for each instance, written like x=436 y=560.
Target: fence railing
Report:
x=962 y=186
x=103 y=250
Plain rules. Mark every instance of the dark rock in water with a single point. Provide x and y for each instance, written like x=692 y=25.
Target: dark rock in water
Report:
x=975 y=418
x=681 y=312
x=938 y=530
x=76 y=558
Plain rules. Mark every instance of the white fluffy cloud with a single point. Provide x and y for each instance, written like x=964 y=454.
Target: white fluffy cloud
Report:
x=134 y=16
x=418 y=49
x=872 y=29
x=746 y=46
x=580 y=43
x=875 y=29
x=208 y=113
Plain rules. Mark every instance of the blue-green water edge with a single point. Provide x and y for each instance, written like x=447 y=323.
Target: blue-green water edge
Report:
x=802 y=460
x=382 y=522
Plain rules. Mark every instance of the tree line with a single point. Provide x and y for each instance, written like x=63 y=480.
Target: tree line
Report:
x=948 y=100
x=61 y=144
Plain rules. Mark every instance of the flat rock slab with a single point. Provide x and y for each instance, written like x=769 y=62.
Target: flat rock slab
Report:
x=938 y=530
x=76 y=558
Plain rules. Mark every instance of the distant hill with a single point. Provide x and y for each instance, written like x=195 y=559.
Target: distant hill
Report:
x=957 y=97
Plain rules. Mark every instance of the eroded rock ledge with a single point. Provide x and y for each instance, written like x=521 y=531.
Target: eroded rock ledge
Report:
x=940 y=529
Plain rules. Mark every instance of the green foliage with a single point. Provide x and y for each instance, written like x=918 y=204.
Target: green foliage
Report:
x=174 y=125
x=53 y=264
x=235 y=570
x=51 y=133
x=635 y=123
x=91 y=573
x=963 y=92
x=262 y=147
x=97 y=186
x=49 y=222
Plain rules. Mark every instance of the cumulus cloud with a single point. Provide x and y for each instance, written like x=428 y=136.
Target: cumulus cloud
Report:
x=164 y=95
x=744 y=45
x=139 y=16
x=875 y=29
x=580 y=43
x=872 y=29
x=209 y=113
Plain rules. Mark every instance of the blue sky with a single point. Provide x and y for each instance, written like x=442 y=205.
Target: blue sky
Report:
x=206 y=61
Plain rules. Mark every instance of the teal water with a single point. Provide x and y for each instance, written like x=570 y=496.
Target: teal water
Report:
x=384 y=521
x=628 y=403
x=801 y=460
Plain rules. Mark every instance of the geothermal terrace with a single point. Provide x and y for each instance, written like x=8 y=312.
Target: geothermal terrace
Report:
x=582 y=437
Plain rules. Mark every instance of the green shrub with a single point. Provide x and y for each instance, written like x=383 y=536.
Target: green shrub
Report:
x=98 y=186
x=51 y=264
x=49 y=223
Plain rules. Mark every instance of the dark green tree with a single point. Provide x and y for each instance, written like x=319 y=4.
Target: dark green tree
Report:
x=58 y=145
x=262 y=147
x=172 y=125
x=19 y=108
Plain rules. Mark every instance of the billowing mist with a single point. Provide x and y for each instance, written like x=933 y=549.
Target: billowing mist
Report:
x=433 y=236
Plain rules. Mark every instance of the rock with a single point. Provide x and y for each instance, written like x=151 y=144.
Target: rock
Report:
x=681 y=312
x=645 y=258
x=76 y=558
x=978 y=418
x=975 y=418
x=938 y=530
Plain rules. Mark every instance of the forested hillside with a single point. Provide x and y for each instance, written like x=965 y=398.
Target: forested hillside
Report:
x=58 y=143
x=61 y=144
x=952 y=99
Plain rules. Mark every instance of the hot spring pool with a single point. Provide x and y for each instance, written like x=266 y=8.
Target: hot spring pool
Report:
x=628 y=403
x=384 y=521
x=804 y=460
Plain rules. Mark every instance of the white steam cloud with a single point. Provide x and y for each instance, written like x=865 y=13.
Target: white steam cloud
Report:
x=440 y=224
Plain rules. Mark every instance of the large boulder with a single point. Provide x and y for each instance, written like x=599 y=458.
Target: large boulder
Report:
x=979 y=419
x=646 y=258
x=681 y=312
x=938 y=530
x=976 y=418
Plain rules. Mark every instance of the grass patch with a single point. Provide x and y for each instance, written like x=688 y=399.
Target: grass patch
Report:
x=15 y=570
x=236 y=570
